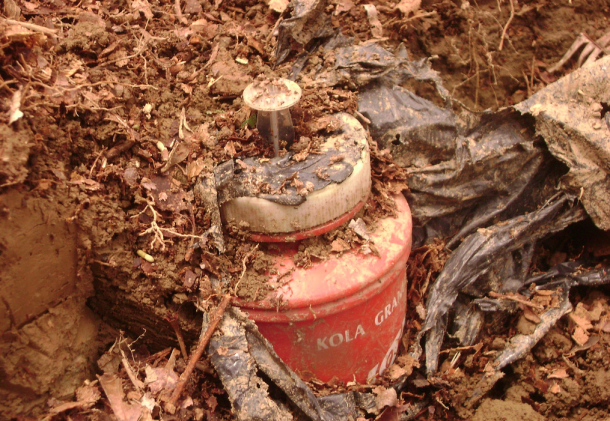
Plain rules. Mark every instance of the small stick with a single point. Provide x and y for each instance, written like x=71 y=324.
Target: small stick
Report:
x=33 y=27
x=118 y=149
x=243 y=267
x=158 y=355
x=132 y=376
x=203 y=342
x=476 y=347
x=527 y=83
x=515 y=299
x=172 y=319
x=179 y=14
x=512 y=15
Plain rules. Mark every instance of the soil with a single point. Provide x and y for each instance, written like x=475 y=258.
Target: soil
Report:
x=112 y=111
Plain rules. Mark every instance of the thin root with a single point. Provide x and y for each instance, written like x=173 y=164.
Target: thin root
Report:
x=512 y=15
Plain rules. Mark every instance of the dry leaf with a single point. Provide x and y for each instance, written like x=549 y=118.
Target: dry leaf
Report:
x=158 y=379
x=278 y=5
x=257 y=45
x=194 y=168
x=11 y=10
x=188 y=89
x=396 y=371
x=14 y=113
x=142 y=6
x=408 y=6
x=376 y=28
x=339 y=245
x=114 y=392
x=555 y=389
x=344 y=6
x=385 y=397
x=29 y=5
x=86 y=397
x=148 y=184
x=580 y=336
x=530 y=315
x=192 y=7
x=230 y=149
x=581 y=321
x=560 y=373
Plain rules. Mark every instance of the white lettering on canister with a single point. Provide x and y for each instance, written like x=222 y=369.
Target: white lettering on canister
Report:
x=383 y=315
x=347 y=338
x=322 y=344
x=337 y=339
x=388 y=358
x=359 y=331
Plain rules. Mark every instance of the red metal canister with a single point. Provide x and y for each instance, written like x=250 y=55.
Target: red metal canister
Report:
x=344 y=316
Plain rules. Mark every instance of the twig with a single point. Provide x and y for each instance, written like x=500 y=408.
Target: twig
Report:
x=203 y=342
x=243 y=267
x=476 y=347
x=510 y=18
x=527 y=84
x=6 y=83
x=212 y=56
x=179 y=14
x=10 y=183
x=280 y=19
x=33 y=27
x=134 y=379
x=172 y=319
x=176 y=234
x=118 y=149
x=158 y=355
x=515 y=299
x=95 y=162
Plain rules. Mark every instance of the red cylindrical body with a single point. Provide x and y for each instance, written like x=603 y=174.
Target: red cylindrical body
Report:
x=344 y=316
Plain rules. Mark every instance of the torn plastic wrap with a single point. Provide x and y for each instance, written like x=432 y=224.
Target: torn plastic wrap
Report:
x=359 y=65
x=248 y=393
x=560 y=279
x=239 y=355
x=459 y=180
x=482 y=253
x=491 y=191
x=520 y=345
x=262 y=387
x=571 y=115
x=308 y=22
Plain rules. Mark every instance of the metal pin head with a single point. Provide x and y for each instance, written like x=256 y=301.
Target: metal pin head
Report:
x=272 y=98
x=274 y=94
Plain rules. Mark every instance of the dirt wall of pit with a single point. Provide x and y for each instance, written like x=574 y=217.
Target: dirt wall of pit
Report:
x=49 y=337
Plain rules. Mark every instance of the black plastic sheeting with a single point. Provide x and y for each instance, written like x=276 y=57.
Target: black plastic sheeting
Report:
x=572 y=116
x=459 y=179
x=262 y=387
x=358 y=65
x=307 y=23
x=487 y=254
x=493 y=190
